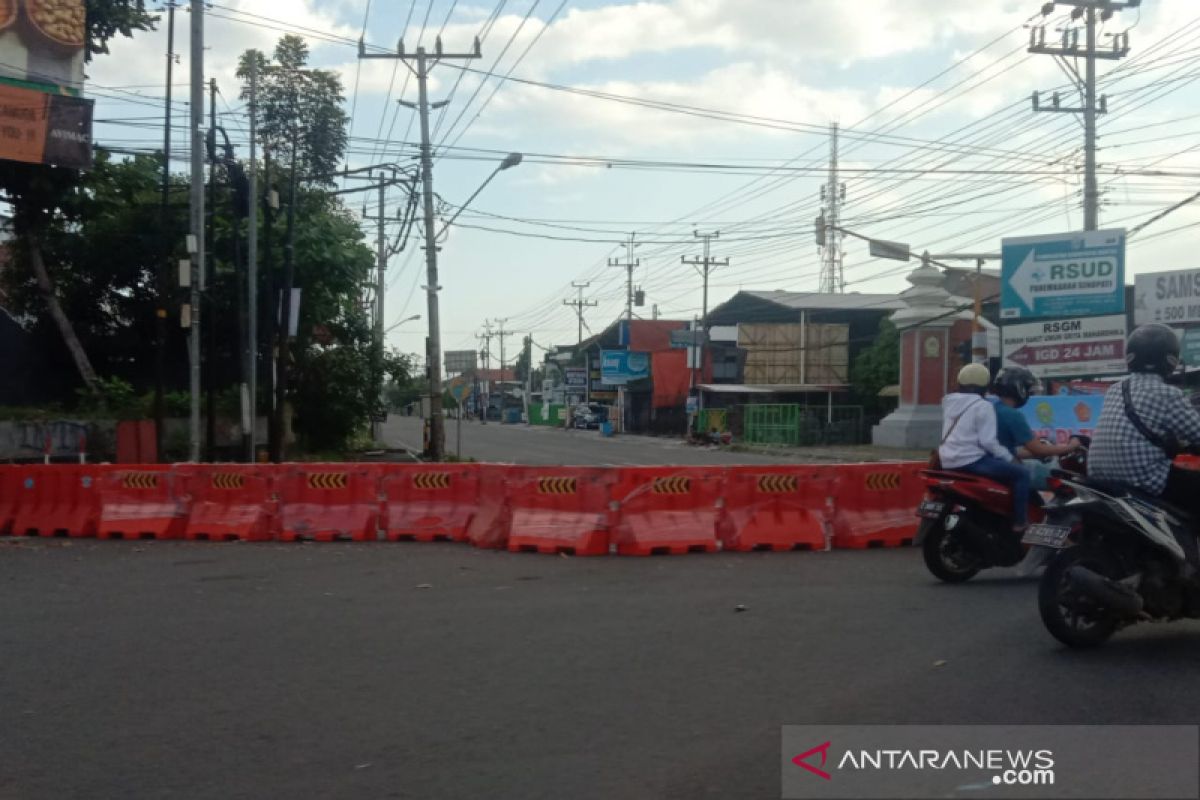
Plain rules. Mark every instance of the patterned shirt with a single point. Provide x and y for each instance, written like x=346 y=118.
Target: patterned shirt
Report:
x=1120 y=453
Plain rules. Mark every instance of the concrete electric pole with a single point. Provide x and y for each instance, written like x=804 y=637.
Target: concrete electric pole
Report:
x=579 y=304
x=196 y=237
x=1090 y=11
x=704 y=266
x=629 y=265
x=424 y=62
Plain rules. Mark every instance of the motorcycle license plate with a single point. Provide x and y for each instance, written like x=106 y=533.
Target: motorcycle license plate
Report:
x=1054 y=536
x=930 y=509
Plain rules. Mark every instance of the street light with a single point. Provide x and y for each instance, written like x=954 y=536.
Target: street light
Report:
x=393 y=327
x=511 y=160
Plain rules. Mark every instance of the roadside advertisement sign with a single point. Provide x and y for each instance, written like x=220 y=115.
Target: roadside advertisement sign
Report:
x=1063 y=275
x=576 y=377
x=458 y=361
x=43 y=120
x=1059 y=417
x=1169 y=297
x=1067 y=347
x=619 y=367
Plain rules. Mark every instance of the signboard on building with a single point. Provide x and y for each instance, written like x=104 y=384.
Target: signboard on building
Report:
x=1172 y=298
x=1063 y=275
x=618 y=367
x=1067 y=347
x=576 y=377
x=43 y=120
x=688 y=338
x=460 y=361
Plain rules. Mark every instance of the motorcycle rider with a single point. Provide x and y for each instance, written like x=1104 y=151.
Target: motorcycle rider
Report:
x=1013 y=387
x=969 y=442
x=1120 y=452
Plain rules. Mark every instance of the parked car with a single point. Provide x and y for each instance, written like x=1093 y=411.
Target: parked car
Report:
x=588 y=416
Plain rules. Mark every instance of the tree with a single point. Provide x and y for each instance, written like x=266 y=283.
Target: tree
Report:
x=37 y=192
x=110 y=301
x=877 y=366
x=300 y=110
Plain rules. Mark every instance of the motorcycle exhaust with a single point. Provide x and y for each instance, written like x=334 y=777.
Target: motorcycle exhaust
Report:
x=1108 y=593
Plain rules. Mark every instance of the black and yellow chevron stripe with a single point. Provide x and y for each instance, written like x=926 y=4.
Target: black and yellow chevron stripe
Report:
x=327 y=480
x=139 y=480
x=674 y=485
x=228 y=480
x=557 y=485
x=777 y=484
x=882 y=481
x=431 y=480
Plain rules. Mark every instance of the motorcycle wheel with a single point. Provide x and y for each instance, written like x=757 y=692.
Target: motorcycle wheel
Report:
x=1064 y=619
x=945 y=555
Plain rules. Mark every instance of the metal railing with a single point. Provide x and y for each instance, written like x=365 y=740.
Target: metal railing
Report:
x=796 y=425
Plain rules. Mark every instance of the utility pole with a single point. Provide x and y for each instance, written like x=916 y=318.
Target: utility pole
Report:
x=1090 y=11
x=252 y=269
x=437 y=424
x=380 y=269
x=528 y=373
x=833 y=194
x=502 y=334
x=580 y=304
x=164 y=267
x=629 y=265
x=210 y=356
x=486 y=353
x=197 y=220
x=704 y=266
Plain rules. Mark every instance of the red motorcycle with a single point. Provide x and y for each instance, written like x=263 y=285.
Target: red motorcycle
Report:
x=966 y=521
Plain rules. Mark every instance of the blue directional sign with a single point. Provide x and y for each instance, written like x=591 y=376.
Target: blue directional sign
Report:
x=1063 y=275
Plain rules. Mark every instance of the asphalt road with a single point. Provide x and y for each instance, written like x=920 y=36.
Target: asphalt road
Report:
x=533 y=444
x=173 y=670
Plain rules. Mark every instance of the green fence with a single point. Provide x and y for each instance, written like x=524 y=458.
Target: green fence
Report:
x=796 y=425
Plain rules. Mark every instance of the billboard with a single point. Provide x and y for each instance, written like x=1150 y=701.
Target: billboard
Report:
x=43 y=120
x=459 y=361
x=1063 y=275
x=618 y=367
x=1067 y=347
x=1167 y=297
x=576 y=377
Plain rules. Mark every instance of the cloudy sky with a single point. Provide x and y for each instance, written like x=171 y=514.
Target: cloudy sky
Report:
x=658 y=118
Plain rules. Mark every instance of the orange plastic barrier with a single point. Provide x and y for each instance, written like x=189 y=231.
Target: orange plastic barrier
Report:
x=559 y=510
x=10 y=496
x=776 y=508
x=327 y=502
x=230 y=502
x=56 y=500
x=663 y=510
x=140 y=503
x=429 y=502
x=875 y=504
x=489 y=527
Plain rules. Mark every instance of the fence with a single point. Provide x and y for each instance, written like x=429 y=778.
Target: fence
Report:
x=797 y=425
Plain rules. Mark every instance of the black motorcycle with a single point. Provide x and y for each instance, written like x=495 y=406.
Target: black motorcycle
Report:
x=1121 y=557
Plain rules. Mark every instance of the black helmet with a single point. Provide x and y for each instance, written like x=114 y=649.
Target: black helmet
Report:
x=1153 y=348
x=1016 y=383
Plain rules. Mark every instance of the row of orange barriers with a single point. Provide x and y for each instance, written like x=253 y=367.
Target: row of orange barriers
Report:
x=576 y=510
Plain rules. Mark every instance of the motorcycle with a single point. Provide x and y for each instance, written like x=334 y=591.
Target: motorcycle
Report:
x=966 y=521
x=1121 y=557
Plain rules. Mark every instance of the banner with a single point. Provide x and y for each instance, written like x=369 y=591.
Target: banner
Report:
x=40 y=128
x=1067 y=346
x=1059 y=417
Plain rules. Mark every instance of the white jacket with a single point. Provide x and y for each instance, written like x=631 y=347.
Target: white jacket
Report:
x=975 y=434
